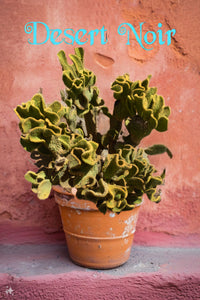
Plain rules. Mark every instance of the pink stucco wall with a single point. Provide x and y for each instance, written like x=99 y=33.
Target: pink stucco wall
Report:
x=175 y=71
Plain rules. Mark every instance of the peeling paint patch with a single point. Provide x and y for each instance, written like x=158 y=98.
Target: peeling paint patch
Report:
x=132 y=219
x=110 y=233
x=126 y=241
x=112 y=215
x=130 y=227
x=128 y=250
x=87 y=206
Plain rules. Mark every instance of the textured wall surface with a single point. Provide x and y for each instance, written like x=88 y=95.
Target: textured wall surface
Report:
x=95 y=286
x=175 y=71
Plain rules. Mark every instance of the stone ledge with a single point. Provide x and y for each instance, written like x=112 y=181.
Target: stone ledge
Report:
x=45 y=272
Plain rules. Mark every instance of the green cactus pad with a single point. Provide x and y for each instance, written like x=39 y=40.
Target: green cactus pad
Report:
x=29 y=123
x=67 y=148
x=139 y=107
x=31 y=177
x=115 y=168
x=158 y=149
x=44 y=189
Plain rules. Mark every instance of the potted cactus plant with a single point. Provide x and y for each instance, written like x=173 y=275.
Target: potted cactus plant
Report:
x=98 y=179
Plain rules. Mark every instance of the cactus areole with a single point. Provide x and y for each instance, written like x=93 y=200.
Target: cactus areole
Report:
x=109 y=169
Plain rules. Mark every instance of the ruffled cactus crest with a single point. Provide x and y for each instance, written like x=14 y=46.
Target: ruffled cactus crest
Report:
x=64 y=141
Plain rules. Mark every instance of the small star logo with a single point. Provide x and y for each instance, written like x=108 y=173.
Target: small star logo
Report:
x=9 y=291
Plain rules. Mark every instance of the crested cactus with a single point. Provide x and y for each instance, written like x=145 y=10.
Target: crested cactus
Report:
x=64 y=142
x=139 y=107
x=80 y=90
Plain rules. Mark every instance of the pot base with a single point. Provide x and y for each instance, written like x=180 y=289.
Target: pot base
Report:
x=99 y=253
x=96 y=240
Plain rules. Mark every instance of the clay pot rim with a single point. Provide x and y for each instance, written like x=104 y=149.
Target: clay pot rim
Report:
x=89 y=205
x=61 y=190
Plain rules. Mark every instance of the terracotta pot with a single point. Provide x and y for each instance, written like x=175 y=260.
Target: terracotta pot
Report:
x=95 y=240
